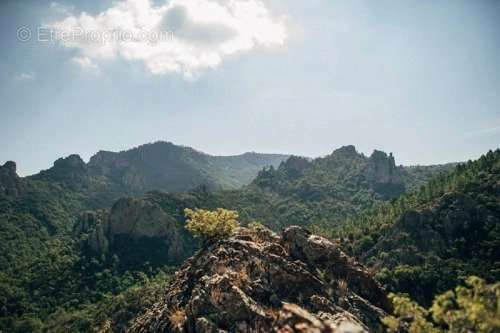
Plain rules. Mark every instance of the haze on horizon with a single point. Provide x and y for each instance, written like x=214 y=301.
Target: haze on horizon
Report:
x=419 y=79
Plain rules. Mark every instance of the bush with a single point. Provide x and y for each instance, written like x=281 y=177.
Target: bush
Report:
x=473 y=308
x=211 y=225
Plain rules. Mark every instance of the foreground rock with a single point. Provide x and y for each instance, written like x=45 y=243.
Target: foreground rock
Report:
x=257 y=281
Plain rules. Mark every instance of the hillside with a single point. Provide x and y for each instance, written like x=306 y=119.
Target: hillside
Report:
x=156 y=166
x=428 y=241
x=48 y=274
x=326 y=191
x=172 y=168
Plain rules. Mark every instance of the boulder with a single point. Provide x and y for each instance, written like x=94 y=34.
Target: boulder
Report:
x=257 y=281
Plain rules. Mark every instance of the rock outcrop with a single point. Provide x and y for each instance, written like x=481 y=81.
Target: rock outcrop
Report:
x=257 y=281
x=381 y=169
x=10 y=183
x=70 y=171
x=136 y=229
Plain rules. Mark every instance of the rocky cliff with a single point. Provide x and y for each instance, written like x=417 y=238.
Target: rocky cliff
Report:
x=138 y=230
x=382 y=168
x=257 y=281
x=71 y=171
x=10 y=184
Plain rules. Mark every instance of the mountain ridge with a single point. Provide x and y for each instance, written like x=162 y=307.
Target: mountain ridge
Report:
x=160 y=166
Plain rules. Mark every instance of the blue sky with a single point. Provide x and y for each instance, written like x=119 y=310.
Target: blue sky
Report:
x=420 y=79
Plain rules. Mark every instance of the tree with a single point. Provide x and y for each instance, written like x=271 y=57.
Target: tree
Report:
x=211 y=225
x=409 y=316
x=474 y=307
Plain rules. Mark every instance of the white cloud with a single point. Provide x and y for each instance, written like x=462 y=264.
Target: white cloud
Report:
x=85 y=63
x=25 y=76
x=60 y=8
x=195 y=34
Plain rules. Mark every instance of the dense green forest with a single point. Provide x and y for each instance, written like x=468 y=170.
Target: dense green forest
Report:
x=75 y=256
x=428 y=241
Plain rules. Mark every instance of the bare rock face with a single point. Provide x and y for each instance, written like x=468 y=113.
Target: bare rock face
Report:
x=257 y=281
x=10 y=183
x=96 y=226
x=135 y=228
x=382 y=168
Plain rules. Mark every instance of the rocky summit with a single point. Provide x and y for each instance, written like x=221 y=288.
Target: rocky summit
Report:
x=258 y=281
x=9 y=180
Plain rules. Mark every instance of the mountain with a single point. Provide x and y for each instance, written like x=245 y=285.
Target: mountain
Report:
x=165 y=166
x=257 y=281
x=430 y=240
x=156 y=166
x=326 y=191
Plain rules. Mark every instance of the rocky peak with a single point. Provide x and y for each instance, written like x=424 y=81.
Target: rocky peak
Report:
x=72 y=161
x=295 y=165
x=11 y=167
x=257 y=281
x=70 y=170
x=10 y=183
x=382 y=168
x=345 y=151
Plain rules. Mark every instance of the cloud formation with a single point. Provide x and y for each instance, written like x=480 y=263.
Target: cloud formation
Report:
x=85 y=63
x=25 y=76
x=180 y=36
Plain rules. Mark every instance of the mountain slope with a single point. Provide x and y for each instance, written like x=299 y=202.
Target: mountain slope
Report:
x=165 y=166
x=326 y=191
x=428 y=241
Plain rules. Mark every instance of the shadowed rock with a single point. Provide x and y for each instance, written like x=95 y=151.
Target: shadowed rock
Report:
x=257 y=281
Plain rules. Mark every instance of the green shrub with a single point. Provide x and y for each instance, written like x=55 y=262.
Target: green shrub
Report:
x=211 y=225
x=471 y=308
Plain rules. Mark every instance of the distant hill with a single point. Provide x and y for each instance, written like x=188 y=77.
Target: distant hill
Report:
x=158 y=166
x=328 y=190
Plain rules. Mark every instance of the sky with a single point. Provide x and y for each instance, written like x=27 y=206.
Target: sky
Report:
x=417 y=78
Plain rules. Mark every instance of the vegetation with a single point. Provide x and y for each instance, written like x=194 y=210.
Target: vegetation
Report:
x=429 y=241
x=45 y=277
x=111 y=313
x=327 y=191
x=168 y=167
x=471 y=308
x=211 y=225
x=421 y=243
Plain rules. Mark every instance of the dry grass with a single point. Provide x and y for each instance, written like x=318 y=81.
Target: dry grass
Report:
x=241 y=277
x=342 y=288
x=216 y=295
x=177 y=318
